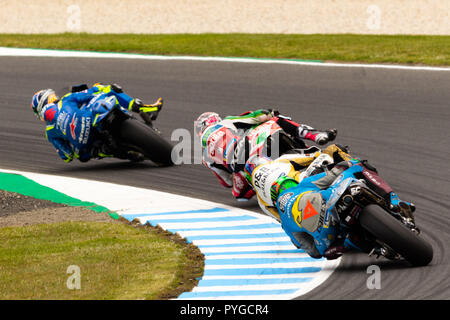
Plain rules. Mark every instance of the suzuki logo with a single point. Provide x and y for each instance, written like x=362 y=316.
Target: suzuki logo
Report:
x=73 y=125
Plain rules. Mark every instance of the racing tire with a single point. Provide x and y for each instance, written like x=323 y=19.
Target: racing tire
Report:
x=147 y=141
x=412 y=247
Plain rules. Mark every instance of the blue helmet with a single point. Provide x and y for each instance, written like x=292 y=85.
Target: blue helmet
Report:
x=41 y=99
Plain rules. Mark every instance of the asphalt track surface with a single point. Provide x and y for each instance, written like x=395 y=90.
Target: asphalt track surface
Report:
x=398 y=119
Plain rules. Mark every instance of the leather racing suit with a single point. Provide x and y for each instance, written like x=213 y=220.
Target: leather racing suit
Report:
x=300 y=207
x=219 y=143
x=69 y=127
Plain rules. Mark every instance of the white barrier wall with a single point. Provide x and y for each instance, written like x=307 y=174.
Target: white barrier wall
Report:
x=225 y=16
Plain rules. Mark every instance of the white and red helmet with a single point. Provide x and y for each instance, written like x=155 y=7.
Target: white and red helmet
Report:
x=204 y=121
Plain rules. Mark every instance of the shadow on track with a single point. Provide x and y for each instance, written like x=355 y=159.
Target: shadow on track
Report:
x=111 y=166
x=360 y=262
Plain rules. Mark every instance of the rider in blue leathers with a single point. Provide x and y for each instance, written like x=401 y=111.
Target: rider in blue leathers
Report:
x=311 y=228
x=69 y=120
x=300 y=200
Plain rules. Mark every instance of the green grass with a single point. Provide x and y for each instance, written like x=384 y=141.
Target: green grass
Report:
x=117 y=261
x=425 y=50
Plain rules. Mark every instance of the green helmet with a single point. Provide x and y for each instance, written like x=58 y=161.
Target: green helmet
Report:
x=281 y=184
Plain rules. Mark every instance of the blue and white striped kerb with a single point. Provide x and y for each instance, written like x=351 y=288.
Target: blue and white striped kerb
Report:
x=246 y=256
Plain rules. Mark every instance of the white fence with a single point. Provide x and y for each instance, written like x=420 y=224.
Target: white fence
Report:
x=225 y=16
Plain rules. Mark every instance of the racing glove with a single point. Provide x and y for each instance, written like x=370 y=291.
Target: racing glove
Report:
x=337 y=249
x=335 y=252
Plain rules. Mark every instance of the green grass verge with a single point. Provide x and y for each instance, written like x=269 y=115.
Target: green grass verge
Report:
x=116 y=261
x=20 y=184
x=425 y=50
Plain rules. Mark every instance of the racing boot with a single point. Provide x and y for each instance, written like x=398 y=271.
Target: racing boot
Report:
x=319 y=137
x=326 y=136
x=148 y=112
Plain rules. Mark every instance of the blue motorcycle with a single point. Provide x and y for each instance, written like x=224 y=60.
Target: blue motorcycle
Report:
x=118 y=133
x=359 y=205
x=328 y=205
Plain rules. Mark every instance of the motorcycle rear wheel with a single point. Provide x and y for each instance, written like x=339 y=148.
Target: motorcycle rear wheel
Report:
x=146 y=141
x=384 y=227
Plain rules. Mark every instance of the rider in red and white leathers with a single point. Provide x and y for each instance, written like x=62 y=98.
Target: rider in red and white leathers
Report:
x=220 y=139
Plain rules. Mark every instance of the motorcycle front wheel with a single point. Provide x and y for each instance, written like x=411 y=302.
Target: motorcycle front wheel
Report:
x=384 y=227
